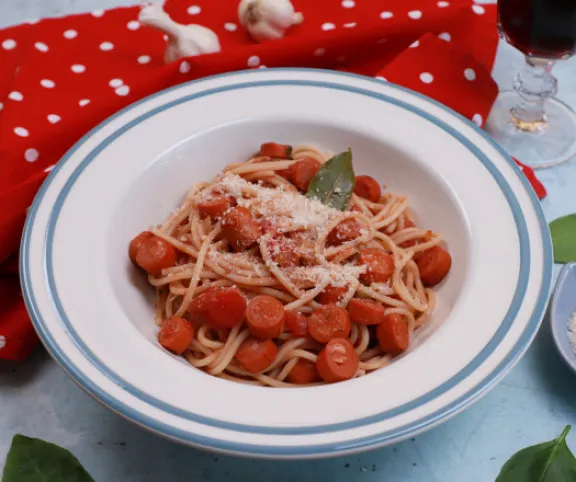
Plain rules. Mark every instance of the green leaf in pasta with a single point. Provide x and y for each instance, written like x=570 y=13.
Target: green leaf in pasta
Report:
x=333 y=184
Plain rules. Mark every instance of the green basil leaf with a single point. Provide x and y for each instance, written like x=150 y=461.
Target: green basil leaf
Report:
x=563 y=231
x=33 y=460
x=333 y=184
x=548 y=462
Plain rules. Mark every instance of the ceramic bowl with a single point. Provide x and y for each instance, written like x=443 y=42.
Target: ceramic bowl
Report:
x=95 y=315
x=562 y=308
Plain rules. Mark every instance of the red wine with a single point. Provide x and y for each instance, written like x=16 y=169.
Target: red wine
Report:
x=540 y=28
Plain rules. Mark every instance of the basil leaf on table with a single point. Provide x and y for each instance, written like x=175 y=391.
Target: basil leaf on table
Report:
x=333 y=184
x=33 y=460
x=548 y=462
x=563 y=232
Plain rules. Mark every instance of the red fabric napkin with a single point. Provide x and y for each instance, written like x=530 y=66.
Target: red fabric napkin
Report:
x=60 y=77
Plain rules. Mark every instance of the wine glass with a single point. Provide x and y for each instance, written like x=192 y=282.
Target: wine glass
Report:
x=532 y=125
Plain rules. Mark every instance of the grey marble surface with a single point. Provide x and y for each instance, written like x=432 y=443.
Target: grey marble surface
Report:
x=532 y=404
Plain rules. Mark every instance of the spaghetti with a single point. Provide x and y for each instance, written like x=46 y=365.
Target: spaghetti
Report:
x=259 y=283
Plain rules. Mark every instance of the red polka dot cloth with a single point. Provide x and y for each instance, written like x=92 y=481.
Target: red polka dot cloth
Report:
x=60 y=77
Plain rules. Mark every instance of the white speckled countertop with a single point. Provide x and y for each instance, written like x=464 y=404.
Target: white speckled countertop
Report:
x=532 y=404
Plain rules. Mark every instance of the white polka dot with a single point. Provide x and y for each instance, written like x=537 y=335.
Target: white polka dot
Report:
x=165 y=37
x=262 y=66
x=53 y=118
x=231 y=27
x=415 y=44
x=184 y=67
x=319 y=52
x=144 y=59
x=415 y=14
x=70 y=34
x=379 y=77
x=15 y=95
x=350 y=25
x=31 y=155
x=32 y=21
x=122 y=90
x=20 y=131
x=254 y=61
x=348 y=3
x=194 y=10
x=1 y=105
x=83 y=102
x=426 y=77
x=470 y=74
x=9 y=44
x=445 y=36
x=477 y=119
x=47 y=83
x=49 y=168
x=443 y=4
x=106 y=46
x=385 y=15
x=2 y=342
x=116 y=83
x=133 y=25
x=328 y=26
x=78 y=68
x=97 y=13
x=478 y=9
x=42 y=47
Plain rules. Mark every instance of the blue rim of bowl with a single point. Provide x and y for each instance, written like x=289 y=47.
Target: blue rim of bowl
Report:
x=331 y=448
x=559 y=328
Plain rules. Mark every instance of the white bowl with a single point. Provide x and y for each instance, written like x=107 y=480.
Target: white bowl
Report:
x=95 y=314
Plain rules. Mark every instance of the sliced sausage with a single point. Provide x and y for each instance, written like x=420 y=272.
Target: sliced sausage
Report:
x=433 y=265
x=265 y=317
x=338 y=361
x=303 y=372
x=278 y=151
x=240 y=228
x=393 y=335
x=347 y=230
x=332 y=295
x=328 y=322
x=303 y=171
x=366 y=312
x=221 y=307
x=379 y=265
x=368 y=188
x=151 y=253
x=176 y=334
x=215 y=206
x=256 y=355
x=284 y=254
x=296 y=323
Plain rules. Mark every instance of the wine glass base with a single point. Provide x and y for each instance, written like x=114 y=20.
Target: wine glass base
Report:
x=552 y=144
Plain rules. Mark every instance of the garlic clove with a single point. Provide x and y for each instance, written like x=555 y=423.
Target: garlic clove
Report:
x=183 y=40
x=267 y=19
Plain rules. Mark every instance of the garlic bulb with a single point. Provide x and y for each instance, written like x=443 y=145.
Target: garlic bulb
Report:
x=183 y=40
x=267 y=19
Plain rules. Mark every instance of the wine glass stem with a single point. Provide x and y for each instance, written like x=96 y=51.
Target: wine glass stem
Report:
x=534 y=85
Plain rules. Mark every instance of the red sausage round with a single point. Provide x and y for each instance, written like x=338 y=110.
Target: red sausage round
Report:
x=303 y=171
x=347 y=230
x=331 y=295
x=221 y=307
x=366 y=312
x=151 y=253
x=296 y=323
x=240 y=228
x=215 y=206
x=392 y=334
x=256 y=355
x=338 y=361
x=176 y=334
x=434 y=264
x=328 y=322
x=368 y=188
x=303 y=372
x=379 y=265
x=265 y=317
x=278 y=151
